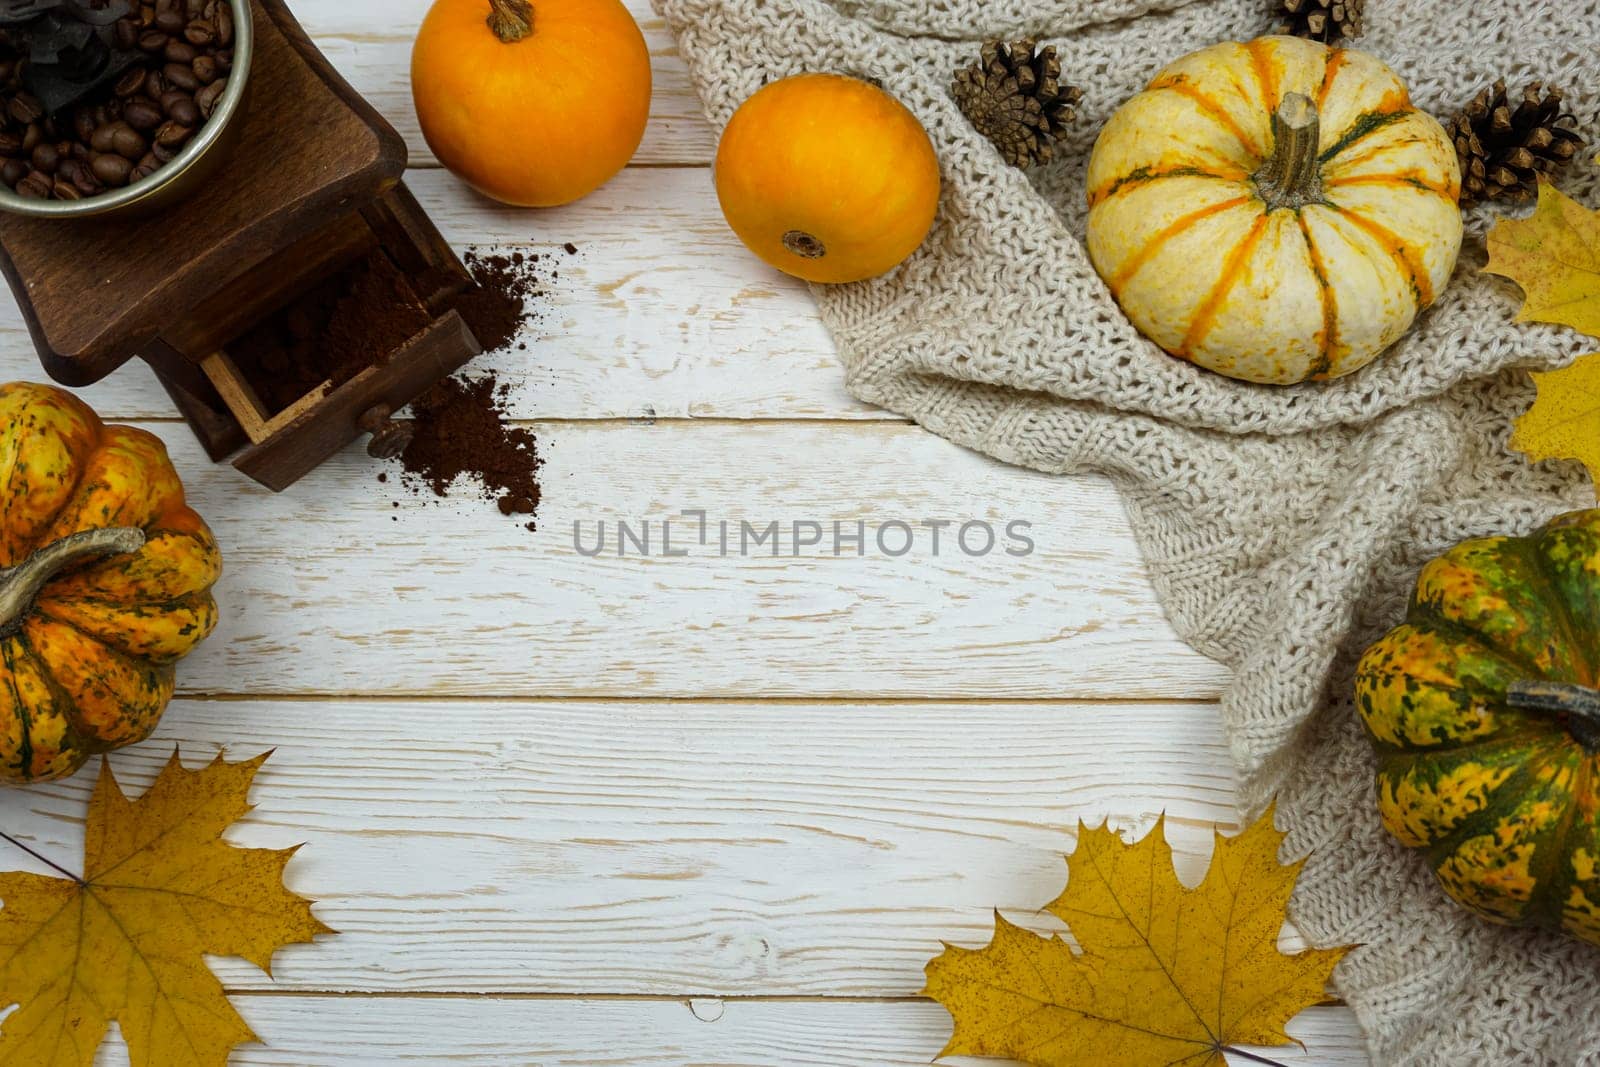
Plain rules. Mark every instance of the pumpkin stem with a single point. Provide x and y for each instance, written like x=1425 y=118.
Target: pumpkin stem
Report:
x=19 y=585
x=1292 y=178
x=1577 y=707
x=511 y=20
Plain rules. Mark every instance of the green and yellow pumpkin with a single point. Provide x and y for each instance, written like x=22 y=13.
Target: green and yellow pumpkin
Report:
x=105 y=583
x=1484 y=711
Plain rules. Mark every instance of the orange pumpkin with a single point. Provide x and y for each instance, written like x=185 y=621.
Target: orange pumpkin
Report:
x=105 y=583
x=532 y=104
x=827 y=178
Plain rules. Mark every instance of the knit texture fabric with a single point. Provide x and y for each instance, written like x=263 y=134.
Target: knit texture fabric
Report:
x=1283 y=527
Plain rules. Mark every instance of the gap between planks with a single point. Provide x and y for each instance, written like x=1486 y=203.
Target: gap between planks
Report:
x=218 y=697
x=644 y=998
x=633 y=422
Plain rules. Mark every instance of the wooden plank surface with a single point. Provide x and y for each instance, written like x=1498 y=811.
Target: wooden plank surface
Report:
x=703 y=810
x=661 y=314
x=681 y=848
x=321 y=1031
x=333 y=589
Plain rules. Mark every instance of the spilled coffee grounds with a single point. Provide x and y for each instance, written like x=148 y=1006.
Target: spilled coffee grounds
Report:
x=462 y=434
x=499 y=300
x=463 y=440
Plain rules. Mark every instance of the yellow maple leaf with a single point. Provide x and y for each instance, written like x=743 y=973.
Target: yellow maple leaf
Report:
x=1554 y=255
x=1166 y=975
x=125 y=943
x=1564 y=420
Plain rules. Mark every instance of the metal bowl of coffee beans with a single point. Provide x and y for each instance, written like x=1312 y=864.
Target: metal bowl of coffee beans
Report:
x=117 y=106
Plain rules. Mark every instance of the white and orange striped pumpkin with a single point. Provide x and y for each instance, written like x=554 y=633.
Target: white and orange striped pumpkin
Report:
x=1274 y=211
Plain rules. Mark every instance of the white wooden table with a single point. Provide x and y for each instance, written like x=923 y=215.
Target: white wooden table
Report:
x=656 y=812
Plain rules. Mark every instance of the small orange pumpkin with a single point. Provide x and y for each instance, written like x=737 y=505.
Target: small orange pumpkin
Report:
x=105 y=583
x=827 y=178
x=536 y=104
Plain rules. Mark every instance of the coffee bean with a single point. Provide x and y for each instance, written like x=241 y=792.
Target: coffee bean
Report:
x=181 y=76
x=141 y=114
x=131 y=81
x=25 y=108
x=112 y=169
x=208 y=97
x=36 y=185
x=138 y=122
x=173 y=135
x=46 y=158
x=128 y=144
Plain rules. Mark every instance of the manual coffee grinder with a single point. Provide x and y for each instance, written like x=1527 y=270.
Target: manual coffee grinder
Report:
x=310 y=186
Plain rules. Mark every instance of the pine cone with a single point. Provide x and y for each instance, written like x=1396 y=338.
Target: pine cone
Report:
x=1503 y=151
x=1014 y=96
x=1327 y=21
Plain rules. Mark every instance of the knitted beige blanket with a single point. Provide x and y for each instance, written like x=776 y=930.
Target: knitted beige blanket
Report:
x=1282 y=526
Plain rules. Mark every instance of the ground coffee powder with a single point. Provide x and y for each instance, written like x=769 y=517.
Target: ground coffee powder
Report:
x=462 y=436
x=499 y=301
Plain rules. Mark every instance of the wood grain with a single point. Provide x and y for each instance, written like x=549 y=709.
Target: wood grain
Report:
x=676 y=848
x=583 y=879
x=345 y=585
x=341 y=1032
x=661 y=314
